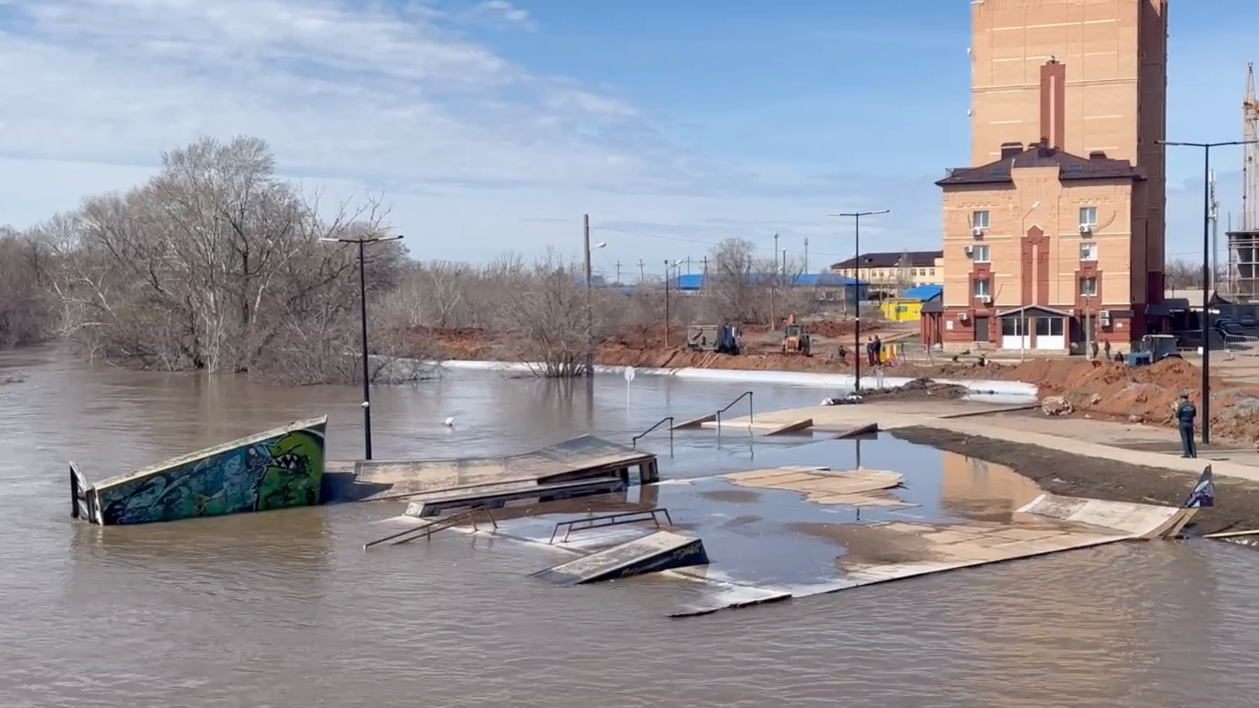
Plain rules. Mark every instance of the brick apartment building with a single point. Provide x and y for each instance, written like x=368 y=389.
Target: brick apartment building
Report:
x=1058 y=224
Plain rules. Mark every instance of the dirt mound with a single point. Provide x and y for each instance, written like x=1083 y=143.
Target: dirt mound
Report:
x=916 y=389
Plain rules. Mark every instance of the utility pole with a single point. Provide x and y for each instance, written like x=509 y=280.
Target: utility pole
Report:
x=806 y=254
x=618 y=274
x=666 y=304
x=642 y=274
x=773 y=283
x=688 y=265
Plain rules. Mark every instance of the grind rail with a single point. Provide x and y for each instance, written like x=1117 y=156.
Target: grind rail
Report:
x=624 y=517
x=662 y=421
x=745 y=394
x=427 y=530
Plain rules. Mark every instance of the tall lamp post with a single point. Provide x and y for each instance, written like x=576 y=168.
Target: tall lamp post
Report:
x=362 y=243
x=590 y=317
x=1022 y=305
x=1207 y=275
x=668 y=266
x=856 y=337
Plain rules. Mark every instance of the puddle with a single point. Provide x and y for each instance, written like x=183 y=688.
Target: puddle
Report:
x=733 y=496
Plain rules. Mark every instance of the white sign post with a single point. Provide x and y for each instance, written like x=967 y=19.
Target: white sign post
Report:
x=629 y=379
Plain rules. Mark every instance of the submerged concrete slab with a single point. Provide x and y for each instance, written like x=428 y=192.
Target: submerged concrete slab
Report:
x=856 y=488
x=275 y=469
x=657 y=552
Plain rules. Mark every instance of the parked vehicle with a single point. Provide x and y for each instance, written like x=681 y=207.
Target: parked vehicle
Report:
x=723 y=338
x=795 y=339
x=1152 y=348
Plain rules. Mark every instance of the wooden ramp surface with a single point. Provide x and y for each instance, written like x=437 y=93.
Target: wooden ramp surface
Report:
x=659 y=551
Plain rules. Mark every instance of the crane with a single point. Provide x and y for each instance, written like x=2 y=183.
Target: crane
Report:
x=1250 y=164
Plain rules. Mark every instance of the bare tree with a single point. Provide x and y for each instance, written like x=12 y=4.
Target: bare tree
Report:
x=26 y=311
x=1182 y=274
x=547 y=318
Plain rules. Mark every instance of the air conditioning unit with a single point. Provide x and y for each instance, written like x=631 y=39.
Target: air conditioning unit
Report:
x=1085 y=229
x=1104 y=316
x=963 y=316
x=977 y=232
x=968 y=250
x=985 y=300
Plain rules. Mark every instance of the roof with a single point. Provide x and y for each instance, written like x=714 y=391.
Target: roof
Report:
x=924 y=292
x=892 y=259
x=1070 y=167
x=1034 y=310
x=695 y=281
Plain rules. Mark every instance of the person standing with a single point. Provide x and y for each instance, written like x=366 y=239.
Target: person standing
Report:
x=1106 y=347
x=878 y=351
x=1185 y=413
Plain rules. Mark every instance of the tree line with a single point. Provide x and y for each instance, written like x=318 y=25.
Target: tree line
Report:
x=217 y=264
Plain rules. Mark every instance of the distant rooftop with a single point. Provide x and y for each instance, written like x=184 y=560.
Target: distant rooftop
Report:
x=892 y=259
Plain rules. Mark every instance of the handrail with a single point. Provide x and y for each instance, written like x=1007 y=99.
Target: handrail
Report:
x=667 y=419
x=745 y=394
x=441 y=524
x=617 y=519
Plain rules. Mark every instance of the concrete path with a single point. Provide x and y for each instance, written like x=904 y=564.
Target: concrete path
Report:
x=1134 y=444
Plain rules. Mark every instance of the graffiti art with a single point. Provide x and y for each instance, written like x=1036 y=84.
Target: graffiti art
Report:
x=275 y=470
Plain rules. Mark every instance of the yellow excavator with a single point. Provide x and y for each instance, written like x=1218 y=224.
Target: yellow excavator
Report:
x=795 y=339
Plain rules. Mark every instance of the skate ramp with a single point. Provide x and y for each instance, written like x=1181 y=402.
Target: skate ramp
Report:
x=657 y=552
x=585 y=457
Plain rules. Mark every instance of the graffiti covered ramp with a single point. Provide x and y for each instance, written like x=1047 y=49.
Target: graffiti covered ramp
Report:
x=276 y=469
x=576 y=459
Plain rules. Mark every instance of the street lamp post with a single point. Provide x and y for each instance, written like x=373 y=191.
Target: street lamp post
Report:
x=362 y=296
x=856 y=354
x=1022 y=305
x=590 y=317
x=1206 y=272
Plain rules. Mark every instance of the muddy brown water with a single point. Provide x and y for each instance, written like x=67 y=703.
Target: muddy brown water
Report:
x=285 y=609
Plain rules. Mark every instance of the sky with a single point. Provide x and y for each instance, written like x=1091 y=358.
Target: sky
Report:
x=494 y=126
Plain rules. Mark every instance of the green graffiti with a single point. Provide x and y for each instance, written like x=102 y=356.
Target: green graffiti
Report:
x=293 y=474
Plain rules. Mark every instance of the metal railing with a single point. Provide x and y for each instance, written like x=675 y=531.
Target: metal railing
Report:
x=427 y=530
x=624 y=517
x=745 y=394
x=667 y=419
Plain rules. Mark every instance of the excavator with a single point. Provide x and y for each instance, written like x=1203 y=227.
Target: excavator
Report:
x=795 y=340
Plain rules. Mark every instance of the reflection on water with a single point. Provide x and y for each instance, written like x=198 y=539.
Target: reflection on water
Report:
x=285 y=609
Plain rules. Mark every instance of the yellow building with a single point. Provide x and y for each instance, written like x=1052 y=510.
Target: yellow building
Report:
x=1058 y=224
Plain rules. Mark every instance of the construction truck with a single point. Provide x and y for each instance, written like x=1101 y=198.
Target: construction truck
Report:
x=795 y=339
x=1152 y=348
x=722 y=338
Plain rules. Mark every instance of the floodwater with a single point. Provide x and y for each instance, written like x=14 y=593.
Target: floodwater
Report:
x=286 y=609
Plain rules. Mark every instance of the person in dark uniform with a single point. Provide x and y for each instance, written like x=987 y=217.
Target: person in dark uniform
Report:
x=1185 y=413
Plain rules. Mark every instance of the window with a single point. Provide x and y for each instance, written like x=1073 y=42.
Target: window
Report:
x=981 y=288
x=1088 y=216
x=1013 y=326
x=1088 y=286
x=1088 y=251
x=979 y=254
x=933 y=271
x=1048 y=326
x=979 y=220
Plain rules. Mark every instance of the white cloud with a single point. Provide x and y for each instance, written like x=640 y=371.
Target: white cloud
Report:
x=477 y=154
x=506 y=12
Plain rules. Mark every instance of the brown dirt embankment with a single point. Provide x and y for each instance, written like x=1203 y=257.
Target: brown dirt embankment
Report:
x=1100 y=389
x=1237 y=502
